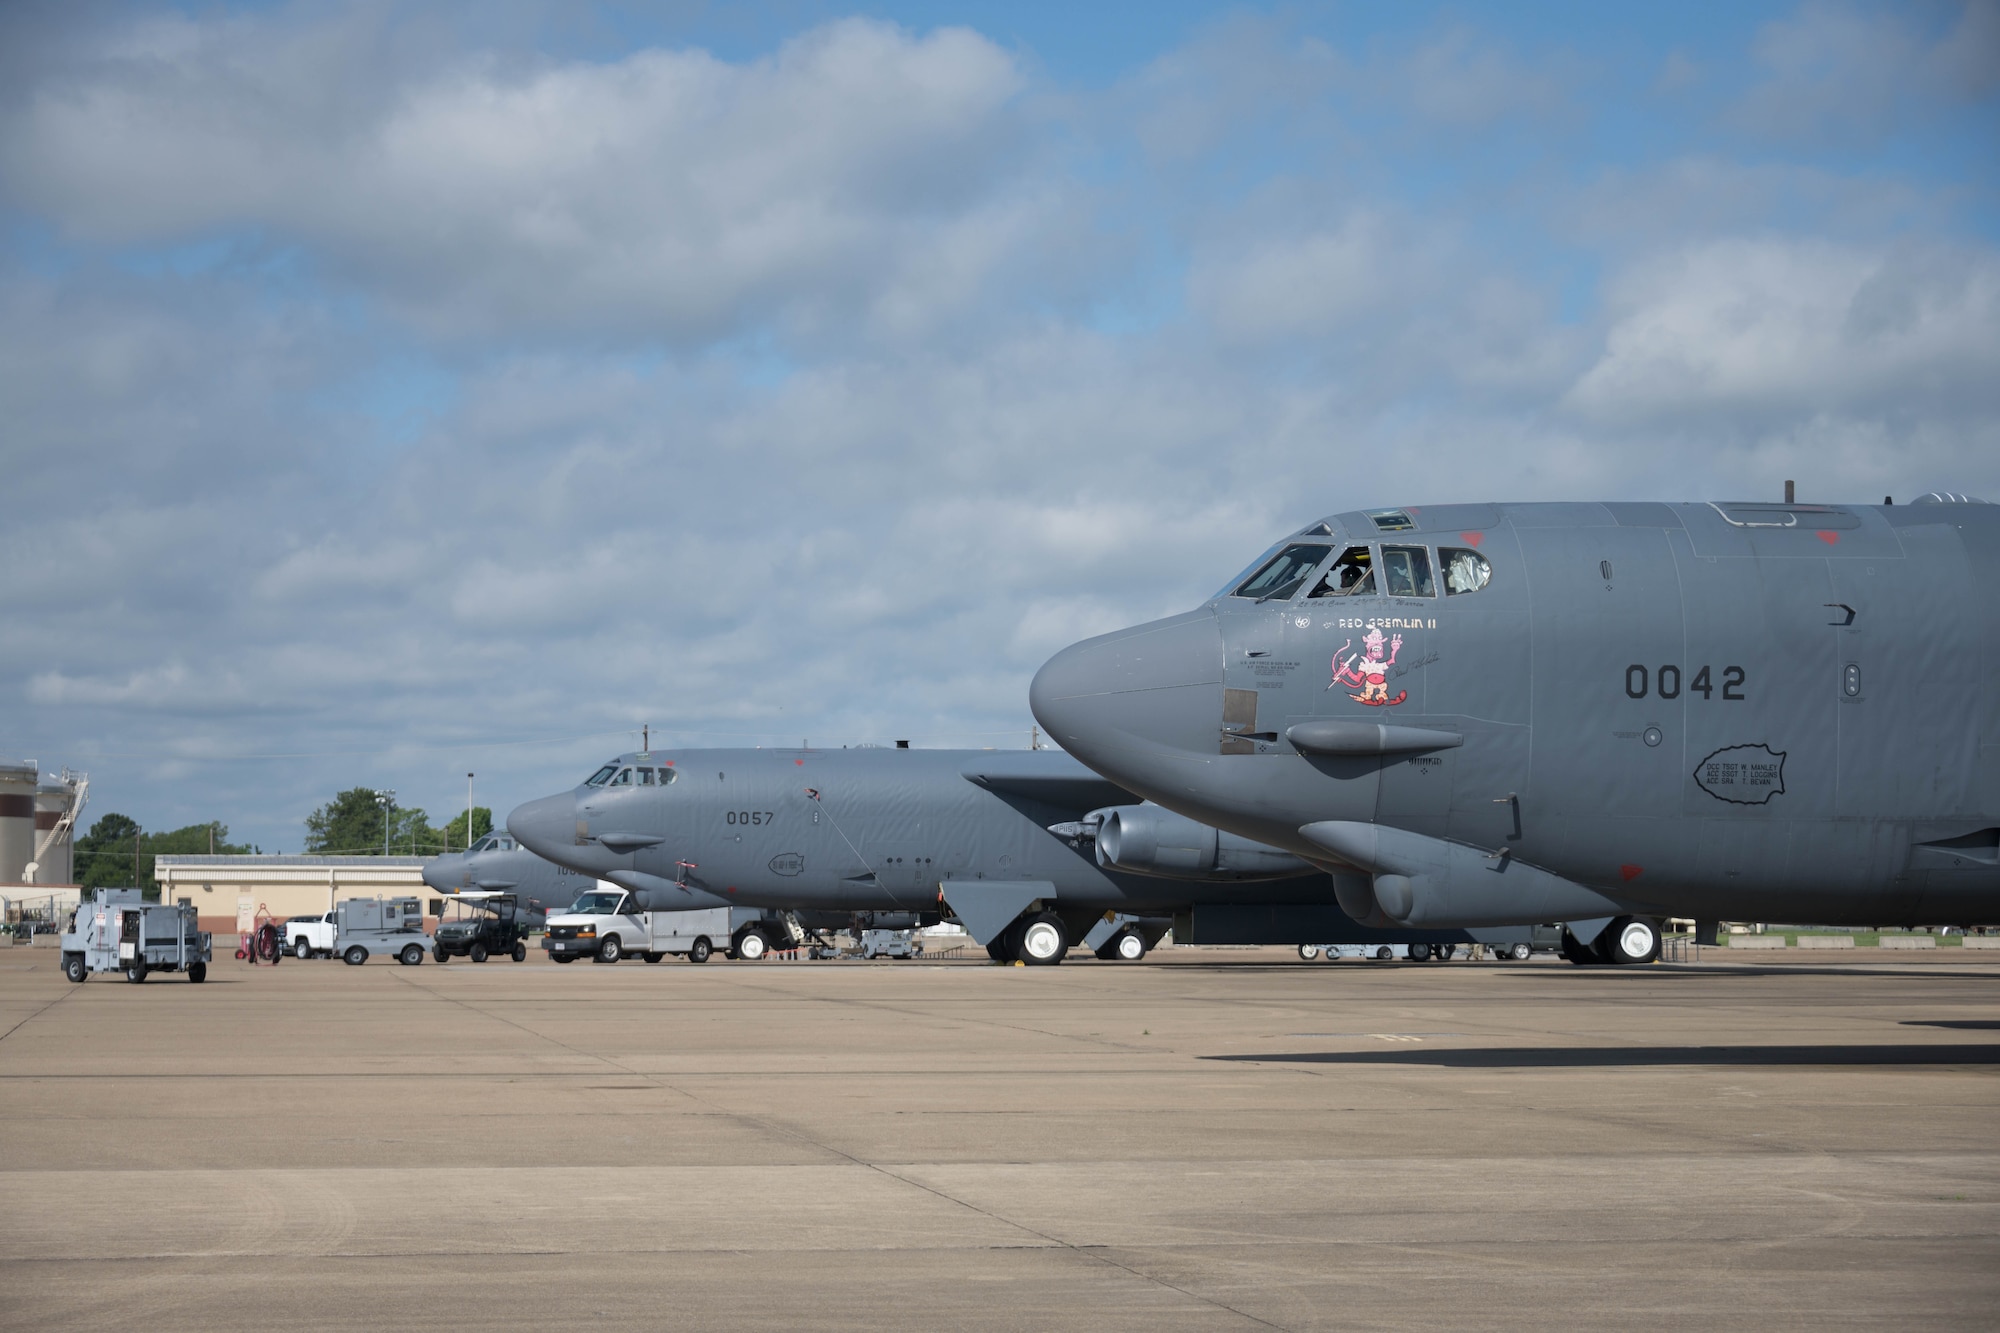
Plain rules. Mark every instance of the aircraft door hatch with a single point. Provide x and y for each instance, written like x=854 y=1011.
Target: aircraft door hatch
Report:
x=1239 y=720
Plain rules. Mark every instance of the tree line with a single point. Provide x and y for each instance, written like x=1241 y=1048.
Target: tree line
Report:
x=117 y=853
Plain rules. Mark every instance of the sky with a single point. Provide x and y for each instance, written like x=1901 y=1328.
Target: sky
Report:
x=393 y=392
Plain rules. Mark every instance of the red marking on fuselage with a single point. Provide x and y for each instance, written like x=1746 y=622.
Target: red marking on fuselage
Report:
x=1830 y=538
x=798 y=763
x=1629 y=873
x=1472 y=538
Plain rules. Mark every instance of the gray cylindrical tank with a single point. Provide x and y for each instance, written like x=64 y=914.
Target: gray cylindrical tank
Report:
x=18 y=783
x=52 y=802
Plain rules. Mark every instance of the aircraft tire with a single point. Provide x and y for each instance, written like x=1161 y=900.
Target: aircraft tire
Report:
x=74 y=968
x=1129 y=946
x=1630 y=939
x=699 y=951
x=996 y=948
x=1043 y=941
x=751 y=946
x=1420 y=953
x=197 y=972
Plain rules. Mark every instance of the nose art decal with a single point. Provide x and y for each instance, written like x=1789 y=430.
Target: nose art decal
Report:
x=1369 y=670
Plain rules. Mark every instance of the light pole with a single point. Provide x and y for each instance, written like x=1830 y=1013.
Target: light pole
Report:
x=386 y=798
x=468 y=812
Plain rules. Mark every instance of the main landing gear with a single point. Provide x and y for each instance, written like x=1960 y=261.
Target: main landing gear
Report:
x=1629 y=939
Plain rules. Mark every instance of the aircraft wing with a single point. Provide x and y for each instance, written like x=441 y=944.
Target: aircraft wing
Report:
x=1078 y=792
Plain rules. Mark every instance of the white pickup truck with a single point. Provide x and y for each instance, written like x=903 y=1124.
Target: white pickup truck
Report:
x=310 y=936
x=606 y=924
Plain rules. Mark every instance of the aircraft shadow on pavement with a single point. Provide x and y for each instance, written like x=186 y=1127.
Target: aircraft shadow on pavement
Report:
x=1961 y=1024
x=1598 y=1057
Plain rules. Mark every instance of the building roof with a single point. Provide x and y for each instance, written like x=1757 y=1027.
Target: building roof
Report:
x=295 y=862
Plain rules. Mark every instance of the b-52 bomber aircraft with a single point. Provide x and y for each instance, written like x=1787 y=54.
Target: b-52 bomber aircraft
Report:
x=1602 y=714
x=497 y=863
x=1029 y=849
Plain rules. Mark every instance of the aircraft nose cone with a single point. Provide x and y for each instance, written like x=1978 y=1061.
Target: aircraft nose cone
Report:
x=544 y=825
x=1154 y=686
x=446 y=874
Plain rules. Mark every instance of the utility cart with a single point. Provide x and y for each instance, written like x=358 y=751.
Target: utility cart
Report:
x=364 y=927
x=119 y=931
x=484 y=924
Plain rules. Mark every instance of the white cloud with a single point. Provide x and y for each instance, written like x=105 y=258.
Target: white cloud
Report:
x=666 y=194
x=1783 y=326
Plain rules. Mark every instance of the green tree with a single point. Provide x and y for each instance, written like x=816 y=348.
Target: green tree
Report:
x=116 y=853
x=454 y=832
x=351 y=825
x=103 y=857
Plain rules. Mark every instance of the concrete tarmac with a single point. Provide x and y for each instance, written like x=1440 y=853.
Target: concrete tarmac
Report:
x=1205 y=1140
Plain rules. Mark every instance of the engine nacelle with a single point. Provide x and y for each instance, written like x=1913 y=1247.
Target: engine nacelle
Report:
x=1356 y=896
x=1148 y=840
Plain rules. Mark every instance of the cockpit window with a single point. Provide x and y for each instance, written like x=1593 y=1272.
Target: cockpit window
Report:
x=624 y=778
x=1282 y=574
x=1353 y=575
x=481 y=845
x=645 y=777
x=1390 y=520
x=1406 y=571
x=601 y=776
x=1464 y=571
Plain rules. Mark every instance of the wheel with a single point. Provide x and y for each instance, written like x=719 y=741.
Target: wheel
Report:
x=1420 y=953
x=1384 y=953
x=135 y=971
x=751 y=945
x=699 y=951
x=1446 y=952
x=1043 y=941
x=520 y=952
x=477 y=953
x=412 y=955
x=1131 y=946
x=302 y=947
x=1308 y=951
x=197 y=972
x=609 y=950
x=73 y=967
x=355 y=955
x=1631 y=939
x=1520 y=953
x=654 y=956
x=996 y=948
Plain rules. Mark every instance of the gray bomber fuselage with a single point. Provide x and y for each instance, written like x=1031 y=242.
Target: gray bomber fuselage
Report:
x=856 y=830
x=1735 y=711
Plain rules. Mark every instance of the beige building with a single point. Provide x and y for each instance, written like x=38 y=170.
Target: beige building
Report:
x=226 y=889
